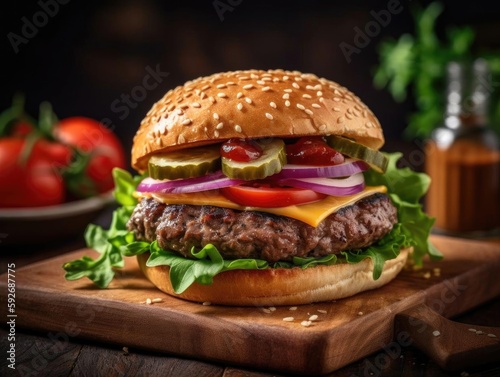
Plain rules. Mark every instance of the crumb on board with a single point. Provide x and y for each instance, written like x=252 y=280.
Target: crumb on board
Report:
x=125 y=351
x=306 y=323
x=292 y=308
x=206 y=303
x=360 y=313
x=436 y=333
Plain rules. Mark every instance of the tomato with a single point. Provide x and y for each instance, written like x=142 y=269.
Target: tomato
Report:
x=21 y=129
x=312 y=151
x=269 y=195
x=241 y=150
x=32 y=180
x=100 y=145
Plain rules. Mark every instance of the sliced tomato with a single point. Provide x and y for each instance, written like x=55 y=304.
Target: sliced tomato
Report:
x=269 y=195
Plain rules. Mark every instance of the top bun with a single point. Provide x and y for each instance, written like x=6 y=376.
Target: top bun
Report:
x=252 y=104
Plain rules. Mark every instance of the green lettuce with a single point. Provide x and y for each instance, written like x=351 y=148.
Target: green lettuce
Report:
x=405 y=188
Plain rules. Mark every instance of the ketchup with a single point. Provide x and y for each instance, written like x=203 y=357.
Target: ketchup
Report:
x=241 y=150
x=312 y=151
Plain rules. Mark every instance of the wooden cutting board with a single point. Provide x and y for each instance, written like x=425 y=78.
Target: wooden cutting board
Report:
x=257 y=337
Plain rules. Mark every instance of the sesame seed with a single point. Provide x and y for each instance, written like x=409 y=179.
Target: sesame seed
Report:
x=266 y=89
x=184 y=106
x=267 y=79
x=436 y=333
x=272 y=104
x=179 y=112
x=254 y=76
x=269 y=116
x=222 y=95
x=309 y=87
x=308 y=111
x=306 y=323
x=306 y=95
x=286 y=96
x=492 y=335
x=248 y=86
x=219 y=126
x=472 y=330
x=288 y=319
x=156 y=300
x=298 y=78
x=295 y=85
x=272 y=308
x=360 y=313
x=239 y=106
x=212 y=99
x=186 y=121
x=205 y=87
x=336 y=109
x=336 y=99
x=266 y=311
x=216 y=116
x=239 y=95
x=292 y=308
x=230 y=83
x=349 y=116
x=288 y=90
x=427 y=275
x=203 y=95
x=244 y=78
x=321 y=99
x=221 y=86
x=314 y=317
x=322 y=311
x=319 y=93
x=216 y=133
x=287 y=103
x=285 y=78
x=237 y=128
x=341 y=120
x=479 y=332
x=276 y=79
x=248 y=100
x=260 y=82
x=207 y=303
x=148 y=301
x=315 y=105
x=301 y=107
x=196 y=104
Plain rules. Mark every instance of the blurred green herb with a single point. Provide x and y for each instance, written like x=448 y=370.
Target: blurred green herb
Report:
x=416 y=64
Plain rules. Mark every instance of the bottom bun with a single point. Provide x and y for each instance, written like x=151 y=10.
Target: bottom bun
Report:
x=280 y=286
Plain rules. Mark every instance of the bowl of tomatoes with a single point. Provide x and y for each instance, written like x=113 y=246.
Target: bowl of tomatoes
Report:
x=55 y=174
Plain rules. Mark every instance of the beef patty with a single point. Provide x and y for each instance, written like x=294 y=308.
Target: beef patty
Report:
x=238 y=234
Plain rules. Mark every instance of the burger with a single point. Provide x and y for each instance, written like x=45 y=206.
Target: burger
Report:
x=262 y=188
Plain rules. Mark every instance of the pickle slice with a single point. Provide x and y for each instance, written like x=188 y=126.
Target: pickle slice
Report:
x=372 y=157
x=187 y=163
x=271 y=162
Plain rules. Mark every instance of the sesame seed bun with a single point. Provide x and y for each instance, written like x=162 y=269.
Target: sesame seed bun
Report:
x=253 y=104
x=281 y=286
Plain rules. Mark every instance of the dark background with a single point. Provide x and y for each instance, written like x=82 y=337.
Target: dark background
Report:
x=89 y=54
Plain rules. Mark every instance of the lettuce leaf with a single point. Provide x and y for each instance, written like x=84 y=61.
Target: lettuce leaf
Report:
x=405 y=188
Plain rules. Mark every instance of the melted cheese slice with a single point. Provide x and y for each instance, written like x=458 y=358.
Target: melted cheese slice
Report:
x=311 y=213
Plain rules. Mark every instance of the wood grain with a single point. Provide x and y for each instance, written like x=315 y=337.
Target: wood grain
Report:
x=251 y=336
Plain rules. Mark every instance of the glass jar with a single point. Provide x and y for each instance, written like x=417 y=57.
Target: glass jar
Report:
x=463 y=157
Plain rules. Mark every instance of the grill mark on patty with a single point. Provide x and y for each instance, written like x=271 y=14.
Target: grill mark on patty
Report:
x=240 y=234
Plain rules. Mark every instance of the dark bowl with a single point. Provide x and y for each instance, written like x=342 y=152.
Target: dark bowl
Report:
x=45 y=224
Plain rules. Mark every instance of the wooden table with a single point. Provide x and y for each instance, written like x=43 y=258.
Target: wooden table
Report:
x=37 y=354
